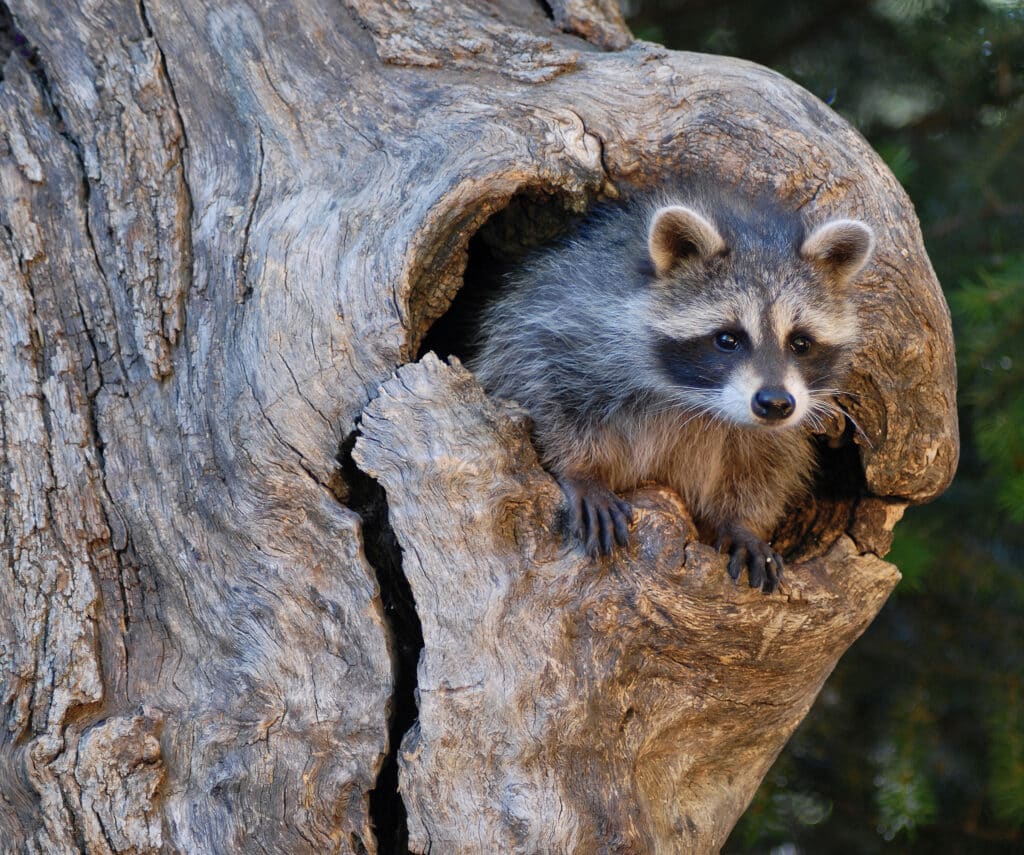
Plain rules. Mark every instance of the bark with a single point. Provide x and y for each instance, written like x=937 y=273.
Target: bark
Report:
x=632 y=706
x=224 y=228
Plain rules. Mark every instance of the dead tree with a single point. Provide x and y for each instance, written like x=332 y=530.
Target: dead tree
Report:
x=227 y=229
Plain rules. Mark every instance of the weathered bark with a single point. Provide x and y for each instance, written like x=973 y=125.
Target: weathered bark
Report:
x=224 y=226
x=569 y=707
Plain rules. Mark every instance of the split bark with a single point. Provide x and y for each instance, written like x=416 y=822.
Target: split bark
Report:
x=224 y=227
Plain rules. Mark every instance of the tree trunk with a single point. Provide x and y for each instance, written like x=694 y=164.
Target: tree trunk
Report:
x=224 y=228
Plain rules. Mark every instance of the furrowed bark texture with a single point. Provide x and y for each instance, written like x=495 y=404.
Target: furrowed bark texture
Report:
x=223 y=228
x=565 y=707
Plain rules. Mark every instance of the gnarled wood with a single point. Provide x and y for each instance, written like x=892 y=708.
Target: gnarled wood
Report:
x=567 y=705
x=222 y=228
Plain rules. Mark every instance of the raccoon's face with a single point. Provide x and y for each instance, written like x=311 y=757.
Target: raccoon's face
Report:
x=757 y=334
x=756 y=364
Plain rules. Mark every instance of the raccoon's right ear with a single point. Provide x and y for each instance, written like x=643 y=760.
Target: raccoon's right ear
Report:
x=678 y=235
x=841 y=246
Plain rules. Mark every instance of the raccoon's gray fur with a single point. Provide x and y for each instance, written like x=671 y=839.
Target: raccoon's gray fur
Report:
x=684 y=340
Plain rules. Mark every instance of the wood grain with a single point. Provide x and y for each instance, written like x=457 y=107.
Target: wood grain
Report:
x=222 y=227
x=568 y=705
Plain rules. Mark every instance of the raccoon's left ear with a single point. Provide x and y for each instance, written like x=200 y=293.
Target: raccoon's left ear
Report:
x=678 y=235
x=841 y=246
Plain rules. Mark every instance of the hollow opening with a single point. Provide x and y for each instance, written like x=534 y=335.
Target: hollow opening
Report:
x=533 y=220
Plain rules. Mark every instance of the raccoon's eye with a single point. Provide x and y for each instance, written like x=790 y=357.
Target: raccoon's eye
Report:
x=727 y=341
x=800 y=344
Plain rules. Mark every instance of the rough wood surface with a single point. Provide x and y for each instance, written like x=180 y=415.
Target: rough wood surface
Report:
x=567 y=705
x=222 y=227
x=598 y=21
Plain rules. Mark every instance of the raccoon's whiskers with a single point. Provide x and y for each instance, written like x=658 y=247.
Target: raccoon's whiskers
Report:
x=686 y=367
x=823 y=402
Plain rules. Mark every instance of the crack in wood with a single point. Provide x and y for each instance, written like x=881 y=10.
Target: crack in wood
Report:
x=367 y=498
x=177 y=295
x=243 y=288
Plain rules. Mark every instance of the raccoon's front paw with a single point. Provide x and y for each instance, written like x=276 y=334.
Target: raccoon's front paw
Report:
x=596 y=515
x=746 y=549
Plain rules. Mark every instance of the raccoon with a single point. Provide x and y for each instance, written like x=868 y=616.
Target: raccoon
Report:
x=689 y=340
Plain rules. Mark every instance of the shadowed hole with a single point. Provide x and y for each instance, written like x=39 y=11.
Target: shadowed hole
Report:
x=13 y=42
x=529 y=221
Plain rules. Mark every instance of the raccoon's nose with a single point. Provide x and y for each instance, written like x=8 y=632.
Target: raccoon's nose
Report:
x=773 y=403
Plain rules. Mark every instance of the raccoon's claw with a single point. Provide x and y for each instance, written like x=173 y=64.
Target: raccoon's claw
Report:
x=598 y=517
x=764 y=565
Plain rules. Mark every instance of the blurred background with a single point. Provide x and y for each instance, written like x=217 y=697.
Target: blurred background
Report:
x=917 y=741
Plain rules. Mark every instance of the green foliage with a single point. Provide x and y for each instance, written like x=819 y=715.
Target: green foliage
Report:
x=900 y=159
x=905 y=795
x=917 y=742
x=1006 y=758
x=990 y=311
x=776 y=809
x=912 y=551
